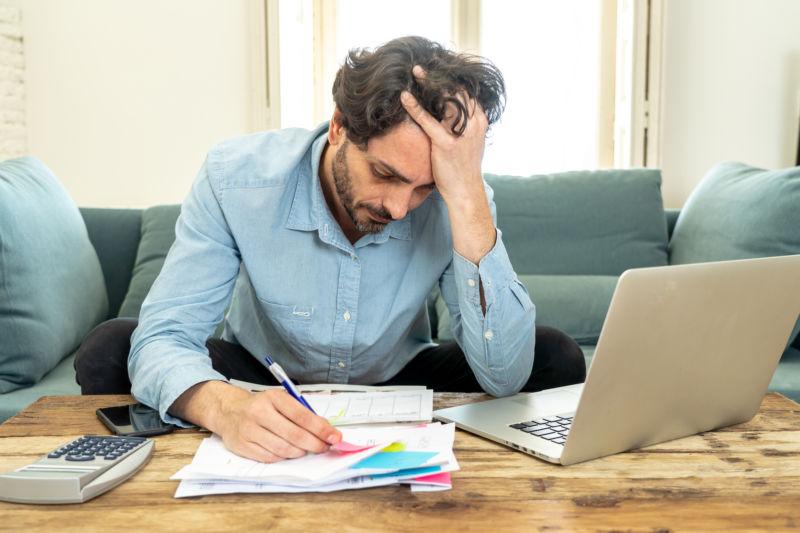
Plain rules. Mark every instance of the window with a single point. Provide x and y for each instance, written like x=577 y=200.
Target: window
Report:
x=558 y=57
x=548 y=53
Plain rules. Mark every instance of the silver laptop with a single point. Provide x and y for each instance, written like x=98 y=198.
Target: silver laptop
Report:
x=684 y=349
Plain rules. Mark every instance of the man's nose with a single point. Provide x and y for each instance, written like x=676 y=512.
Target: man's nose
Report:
x=397 y=204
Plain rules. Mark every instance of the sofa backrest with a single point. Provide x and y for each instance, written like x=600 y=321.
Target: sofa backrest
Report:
x=599 y=222
x=115 y=234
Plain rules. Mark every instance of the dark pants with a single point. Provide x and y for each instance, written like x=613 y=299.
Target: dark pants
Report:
x=101 y=363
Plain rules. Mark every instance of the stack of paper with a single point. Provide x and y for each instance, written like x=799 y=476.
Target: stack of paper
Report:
x=421 y=456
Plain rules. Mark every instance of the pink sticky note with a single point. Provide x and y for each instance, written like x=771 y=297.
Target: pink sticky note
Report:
x=347 y=447
x=440 y=478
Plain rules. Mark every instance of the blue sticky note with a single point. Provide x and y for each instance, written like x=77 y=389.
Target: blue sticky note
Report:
x=414 y=472
x=394 y=460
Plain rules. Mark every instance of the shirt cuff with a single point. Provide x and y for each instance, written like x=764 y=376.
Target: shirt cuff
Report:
x=494 y=271
x=178 y=382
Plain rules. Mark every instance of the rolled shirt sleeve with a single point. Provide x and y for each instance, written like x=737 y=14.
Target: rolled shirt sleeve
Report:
x=499 y=345
x=168 y=352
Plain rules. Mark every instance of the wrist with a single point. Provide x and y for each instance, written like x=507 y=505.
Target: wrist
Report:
x=469 y=194
x=207 y=404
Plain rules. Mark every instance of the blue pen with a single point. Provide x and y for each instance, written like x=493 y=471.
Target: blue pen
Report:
x=284 y=380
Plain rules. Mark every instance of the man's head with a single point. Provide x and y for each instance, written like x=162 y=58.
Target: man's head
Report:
x=381 y=166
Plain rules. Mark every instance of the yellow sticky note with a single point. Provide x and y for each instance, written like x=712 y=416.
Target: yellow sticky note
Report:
x=394 y=447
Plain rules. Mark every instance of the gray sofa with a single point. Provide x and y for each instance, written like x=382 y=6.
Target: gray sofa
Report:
x=569 y=236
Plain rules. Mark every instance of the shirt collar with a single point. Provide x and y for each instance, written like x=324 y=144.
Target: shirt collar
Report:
x=309 y=211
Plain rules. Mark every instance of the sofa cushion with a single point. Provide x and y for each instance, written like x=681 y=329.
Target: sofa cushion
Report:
x=739 y=212
x=582 y=223
x=158 y=234
x=58 y=382
x=576 y=305
x=51 y=284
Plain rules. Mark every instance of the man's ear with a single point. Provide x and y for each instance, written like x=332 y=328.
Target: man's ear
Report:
x=336 y=130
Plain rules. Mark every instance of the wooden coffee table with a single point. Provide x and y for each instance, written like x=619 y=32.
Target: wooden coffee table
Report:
x=742 y=477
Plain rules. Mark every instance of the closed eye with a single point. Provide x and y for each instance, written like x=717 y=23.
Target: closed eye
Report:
x=381 y=176
x=394 y=177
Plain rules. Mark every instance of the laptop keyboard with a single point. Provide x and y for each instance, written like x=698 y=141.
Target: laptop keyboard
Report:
x=552 y=428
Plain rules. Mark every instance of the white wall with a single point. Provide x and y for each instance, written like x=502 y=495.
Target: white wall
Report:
x=13 y=136
x=124 y=98
x=731 y=88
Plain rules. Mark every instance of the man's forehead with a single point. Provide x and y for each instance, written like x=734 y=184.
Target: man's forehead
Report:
x=405 y=149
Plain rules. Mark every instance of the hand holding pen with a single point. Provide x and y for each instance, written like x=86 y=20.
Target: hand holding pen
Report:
x=284 y=380
x=268 y=426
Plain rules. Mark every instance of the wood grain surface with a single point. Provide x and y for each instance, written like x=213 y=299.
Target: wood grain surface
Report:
x=744 y=478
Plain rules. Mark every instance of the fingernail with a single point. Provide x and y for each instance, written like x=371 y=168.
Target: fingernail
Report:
x=333 y=439
x=405 y=96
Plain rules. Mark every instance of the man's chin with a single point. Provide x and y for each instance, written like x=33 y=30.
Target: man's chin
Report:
x=369 y=226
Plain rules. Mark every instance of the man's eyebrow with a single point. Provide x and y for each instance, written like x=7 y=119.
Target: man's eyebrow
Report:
x=391 y=169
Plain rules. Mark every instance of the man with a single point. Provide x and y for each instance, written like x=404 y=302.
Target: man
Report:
x=326 y=243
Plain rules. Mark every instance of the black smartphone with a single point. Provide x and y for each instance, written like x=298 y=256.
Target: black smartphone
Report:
x=137 y=420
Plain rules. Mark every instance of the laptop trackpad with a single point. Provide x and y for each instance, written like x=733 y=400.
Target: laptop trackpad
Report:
x=561 y=400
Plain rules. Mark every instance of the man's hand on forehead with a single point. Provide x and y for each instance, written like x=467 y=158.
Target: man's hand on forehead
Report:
x=456 y=166
x=455 y=159
x=451 y=114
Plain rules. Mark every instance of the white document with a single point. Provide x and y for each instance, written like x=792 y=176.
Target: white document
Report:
x=363 y=404
x=373 y=407
x=214 y=461
x=190 y=488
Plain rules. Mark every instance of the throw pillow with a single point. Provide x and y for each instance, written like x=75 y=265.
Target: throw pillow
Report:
x=158 y=234
x=52 y=290
x=739 y=212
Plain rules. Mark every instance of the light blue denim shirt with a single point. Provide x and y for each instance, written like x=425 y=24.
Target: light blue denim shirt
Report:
x=255 y=231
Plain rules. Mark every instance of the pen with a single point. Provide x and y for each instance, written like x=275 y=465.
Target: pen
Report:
x=284 y=380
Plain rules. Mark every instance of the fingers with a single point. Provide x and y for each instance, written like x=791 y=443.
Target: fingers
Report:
x=316 y=431
x=258 y=444
x=251 y=450
x=432 y=127
x=438 y=129
x=274 y=445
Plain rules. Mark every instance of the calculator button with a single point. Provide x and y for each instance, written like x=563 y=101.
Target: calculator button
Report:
x=54 y=455
x=80 y=458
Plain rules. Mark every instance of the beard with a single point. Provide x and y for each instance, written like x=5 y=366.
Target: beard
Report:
x=344 y=189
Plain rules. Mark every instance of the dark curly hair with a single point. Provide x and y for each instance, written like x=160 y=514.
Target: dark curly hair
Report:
x=367 y=87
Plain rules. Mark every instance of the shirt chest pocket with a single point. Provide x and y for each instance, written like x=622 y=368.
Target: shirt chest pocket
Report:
x=291 y=322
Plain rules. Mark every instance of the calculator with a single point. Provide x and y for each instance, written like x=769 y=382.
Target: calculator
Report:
x=77 y=471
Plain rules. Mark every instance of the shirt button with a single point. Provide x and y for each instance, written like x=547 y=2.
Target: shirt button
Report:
x=346 y=315
x=353 y=257
x=488 y=335
x=471 y=282
x=341 y=364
